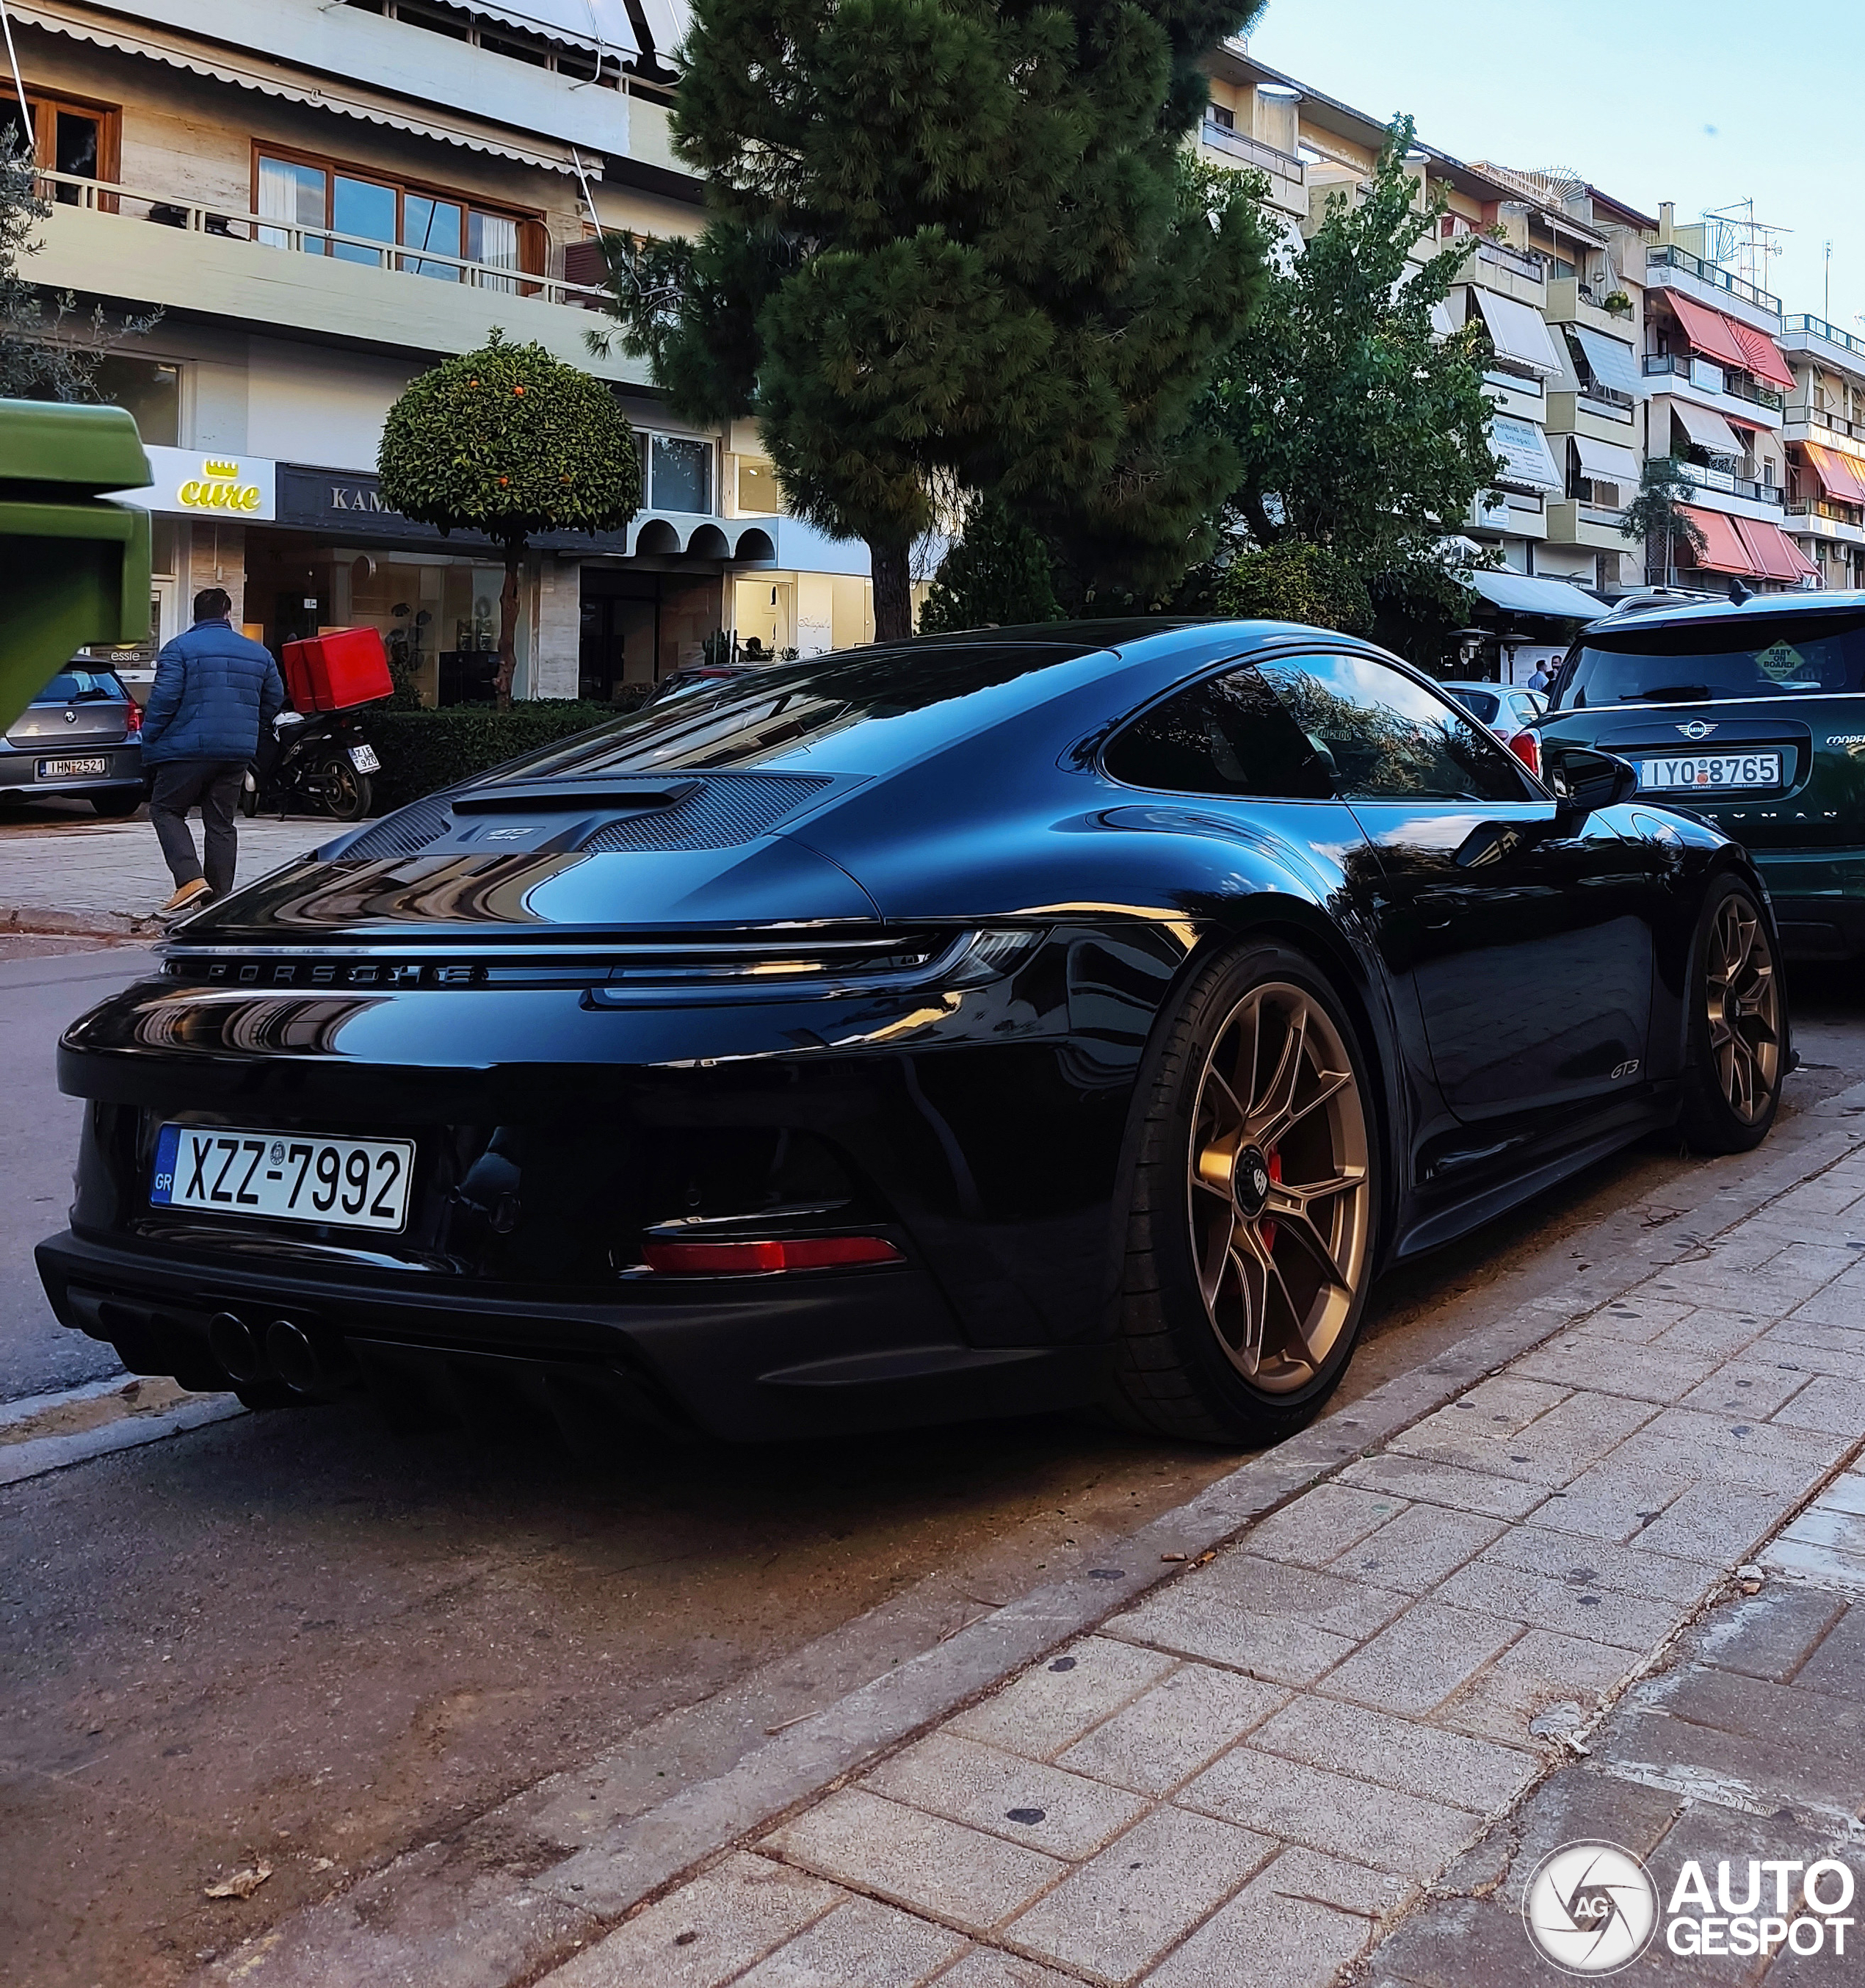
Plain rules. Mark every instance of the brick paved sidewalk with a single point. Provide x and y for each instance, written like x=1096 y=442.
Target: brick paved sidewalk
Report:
x=108 y=877
x=1254 y=1774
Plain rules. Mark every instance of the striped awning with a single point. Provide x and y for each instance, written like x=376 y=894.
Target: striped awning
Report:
x=1842 y=477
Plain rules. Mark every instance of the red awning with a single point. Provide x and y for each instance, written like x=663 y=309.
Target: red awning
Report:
x=1765 y=360
x=1710 y=332
x=1841 y=477
x=1775 y=554
x=1726 y=552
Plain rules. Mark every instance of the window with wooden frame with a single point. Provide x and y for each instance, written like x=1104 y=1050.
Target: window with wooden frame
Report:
x=69 y=135
x=311 y=202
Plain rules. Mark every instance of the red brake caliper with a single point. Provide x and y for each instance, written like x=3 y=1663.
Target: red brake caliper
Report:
x=1273 y=1161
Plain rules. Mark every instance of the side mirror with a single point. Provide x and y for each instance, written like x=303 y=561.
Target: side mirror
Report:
x=1584 y=780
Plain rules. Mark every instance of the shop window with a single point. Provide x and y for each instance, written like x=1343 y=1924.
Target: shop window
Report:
x=680 y=478
x=67 y=136
x=315 y=202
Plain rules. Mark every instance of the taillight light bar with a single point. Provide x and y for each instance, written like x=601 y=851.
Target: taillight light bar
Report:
x=132 y=720
x=743 y=1258
x=1526 y=746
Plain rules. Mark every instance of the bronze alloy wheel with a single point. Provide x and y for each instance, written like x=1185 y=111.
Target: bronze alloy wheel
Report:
x=1278 y=1187
x=1742 y=995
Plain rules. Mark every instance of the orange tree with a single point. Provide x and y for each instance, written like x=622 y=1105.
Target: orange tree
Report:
x=508 y=441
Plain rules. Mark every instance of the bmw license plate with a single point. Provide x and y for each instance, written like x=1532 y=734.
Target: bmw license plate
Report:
x=68 y=769
x=363 y=758
x=1706 y=772
x=283 y=1176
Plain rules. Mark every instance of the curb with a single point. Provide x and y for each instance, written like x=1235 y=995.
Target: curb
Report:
x=43 y=920
x=517 y=1927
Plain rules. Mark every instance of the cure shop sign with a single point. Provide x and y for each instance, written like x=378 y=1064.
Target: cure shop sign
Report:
x=241 y=488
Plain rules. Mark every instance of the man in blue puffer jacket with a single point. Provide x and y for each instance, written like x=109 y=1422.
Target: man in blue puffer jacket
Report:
x=215 y=689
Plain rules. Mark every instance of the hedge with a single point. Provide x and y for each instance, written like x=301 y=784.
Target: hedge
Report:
x=423 y=750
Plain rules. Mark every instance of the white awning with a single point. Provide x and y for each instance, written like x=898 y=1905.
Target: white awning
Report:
x=1527 y=463
x=1522 y=593
x=291 y=86
x=1517 y=331
x=1613 y=362
x=1606 y=460
x=583 y=24
x=1707 y=428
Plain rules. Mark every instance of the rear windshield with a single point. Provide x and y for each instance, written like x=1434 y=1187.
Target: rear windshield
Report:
x=785 y=712
x=1780 y=656
x=1479 y=703
x=73 y=686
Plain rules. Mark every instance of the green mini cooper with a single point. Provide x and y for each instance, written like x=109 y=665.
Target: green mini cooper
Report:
x=1752 y=716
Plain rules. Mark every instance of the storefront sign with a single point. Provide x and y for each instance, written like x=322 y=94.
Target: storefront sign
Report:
x=347 y=505
x=189 y=484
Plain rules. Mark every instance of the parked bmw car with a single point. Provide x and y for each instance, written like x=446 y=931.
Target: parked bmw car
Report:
x=1752 y=717
x=80 y=738
x=990 y=1023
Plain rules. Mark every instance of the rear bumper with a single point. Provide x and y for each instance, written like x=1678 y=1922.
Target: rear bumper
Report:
x=19 y=768
x=746 y=1359
x=1819 y=896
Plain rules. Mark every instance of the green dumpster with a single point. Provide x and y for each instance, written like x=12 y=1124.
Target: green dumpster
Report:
x=73 y=568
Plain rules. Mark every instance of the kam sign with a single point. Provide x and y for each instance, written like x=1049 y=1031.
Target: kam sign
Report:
x=189 y=484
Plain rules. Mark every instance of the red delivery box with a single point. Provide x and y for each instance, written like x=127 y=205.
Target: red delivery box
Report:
x=331 y=672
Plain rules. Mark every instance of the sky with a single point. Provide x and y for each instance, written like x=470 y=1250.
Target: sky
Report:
x=1705 y=103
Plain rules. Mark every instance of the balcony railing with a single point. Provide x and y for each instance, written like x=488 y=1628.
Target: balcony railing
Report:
x=230 y=224
x=1822 y=417
x=1517 y=261
x=1738 y=386
x=1733 y=486
x=1822 y=507
x=1669 y=256
x=1817 y=327
x=1253 y=151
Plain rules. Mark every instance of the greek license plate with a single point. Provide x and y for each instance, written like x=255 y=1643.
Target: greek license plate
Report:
x=363 y=758
x=1706 y=772
x=283 y=1176
x=66 y=769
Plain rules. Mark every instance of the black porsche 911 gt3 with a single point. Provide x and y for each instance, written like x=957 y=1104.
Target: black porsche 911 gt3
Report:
x=993 y=1022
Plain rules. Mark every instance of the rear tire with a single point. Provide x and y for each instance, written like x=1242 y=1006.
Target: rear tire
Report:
x=347 y=793
x=1252 y=1233
x=1736 y=1054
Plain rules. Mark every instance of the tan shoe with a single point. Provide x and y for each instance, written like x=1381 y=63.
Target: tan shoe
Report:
x=189 y=896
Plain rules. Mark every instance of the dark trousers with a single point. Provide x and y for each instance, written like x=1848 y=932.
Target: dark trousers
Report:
x=212 y=785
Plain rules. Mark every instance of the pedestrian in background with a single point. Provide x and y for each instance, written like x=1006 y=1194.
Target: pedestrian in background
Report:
x=215 y=691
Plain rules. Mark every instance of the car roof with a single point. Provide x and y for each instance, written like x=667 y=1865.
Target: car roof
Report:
x=1762 y=607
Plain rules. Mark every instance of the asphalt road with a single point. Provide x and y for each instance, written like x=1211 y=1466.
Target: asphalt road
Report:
x=288 y=1638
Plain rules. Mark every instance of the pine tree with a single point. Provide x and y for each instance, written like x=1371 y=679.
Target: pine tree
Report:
x=958 y=237
x=997 y=574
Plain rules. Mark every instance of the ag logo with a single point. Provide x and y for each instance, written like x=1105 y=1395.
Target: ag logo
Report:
x=1590 y=1908
x=1696 y=728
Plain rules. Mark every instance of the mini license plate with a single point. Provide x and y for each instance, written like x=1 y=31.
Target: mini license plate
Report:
x=1702 y=772
x=363 y=758
x=66 y=769
x=283 y=1176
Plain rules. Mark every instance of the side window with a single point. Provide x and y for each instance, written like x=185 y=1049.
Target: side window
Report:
x=1389 y=738
x=1227 y=734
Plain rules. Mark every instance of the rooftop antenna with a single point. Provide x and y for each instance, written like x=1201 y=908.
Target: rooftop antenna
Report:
x=1736 y=237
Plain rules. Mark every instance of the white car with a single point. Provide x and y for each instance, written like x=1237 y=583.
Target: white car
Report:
x=1505 y=709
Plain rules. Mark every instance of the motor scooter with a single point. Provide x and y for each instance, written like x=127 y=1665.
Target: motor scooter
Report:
x=322 y=758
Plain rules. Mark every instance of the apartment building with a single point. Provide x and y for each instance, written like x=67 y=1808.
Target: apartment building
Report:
x=324 y=197
x=1823 y=434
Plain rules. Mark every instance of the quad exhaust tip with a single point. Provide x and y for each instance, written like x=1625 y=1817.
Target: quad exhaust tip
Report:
x=232 y=1342
x=294 y=1358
